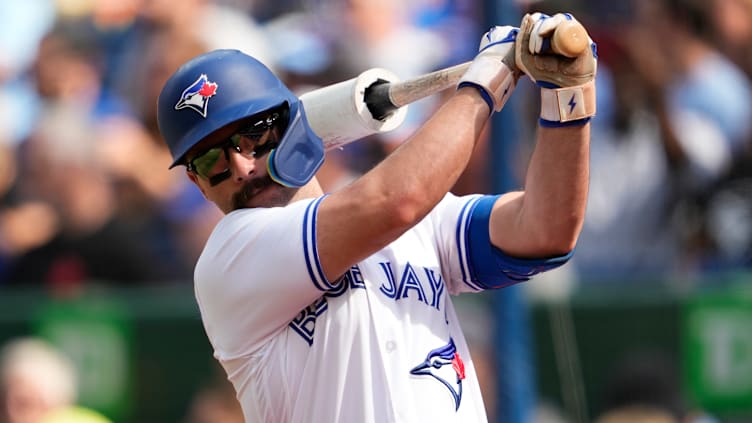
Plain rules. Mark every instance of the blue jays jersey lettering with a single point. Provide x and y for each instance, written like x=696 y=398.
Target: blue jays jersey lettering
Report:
x=196 y=96
x=427 y=289
x=370 y=336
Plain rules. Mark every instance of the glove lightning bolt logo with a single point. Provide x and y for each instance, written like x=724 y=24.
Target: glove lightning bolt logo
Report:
x=571 y=104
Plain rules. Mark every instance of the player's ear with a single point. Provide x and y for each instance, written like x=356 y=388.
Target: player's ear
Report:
x=192 y=176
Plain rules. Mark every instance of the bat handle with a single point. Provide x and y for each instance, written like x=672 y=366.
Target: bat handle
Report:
x=383 y=98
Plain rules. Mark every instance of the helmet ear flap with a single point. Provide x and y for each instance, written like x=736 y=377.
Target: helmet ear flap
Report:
x=299 y=155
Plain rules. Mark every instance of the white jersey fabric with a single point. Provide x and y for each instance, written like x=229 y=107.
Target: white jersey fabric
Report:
x=382 y=344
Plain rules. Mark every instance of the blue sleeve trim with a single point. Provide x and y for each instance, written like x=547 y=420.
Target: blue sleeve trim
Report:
x=555 y=124
x=546 y=84
x=310 y=249
x=463 y=223
x=491 y=268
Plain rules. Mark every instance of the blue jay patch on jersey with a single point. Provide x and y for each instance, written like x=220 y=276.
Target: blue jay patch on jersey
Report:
x=197 y=95
x=445 y=365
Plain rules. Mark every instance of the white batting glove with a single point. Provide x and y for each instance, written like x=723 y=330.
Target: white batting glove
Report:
x=493 y=71
x=567 y=84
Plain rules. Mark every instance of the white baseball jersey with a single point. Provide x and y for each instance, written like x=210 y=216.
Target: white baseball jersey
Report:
x=382 y=344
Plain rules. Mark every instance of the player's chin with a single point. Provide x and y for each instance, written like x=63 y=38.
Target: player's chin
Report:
x=274 y=195
x=262 y=195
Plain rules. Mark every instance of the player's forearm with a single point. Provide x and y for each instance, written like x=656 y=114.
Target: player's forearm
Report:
x=545 y=220
x=437 y=154
x=413 y=179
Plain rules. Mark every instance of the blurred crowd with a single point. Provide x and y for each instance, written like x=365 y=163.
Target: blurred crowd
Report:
x=671 y=143
x=85 y=191
x=86 y=195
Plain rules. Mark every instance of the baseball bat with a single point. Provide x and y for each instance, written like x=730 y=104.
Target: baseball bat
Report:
x=376 y=100
x=570 y=39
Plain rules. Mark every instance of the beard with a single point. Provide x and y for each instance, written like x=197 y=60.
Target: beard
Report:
x=275 y=195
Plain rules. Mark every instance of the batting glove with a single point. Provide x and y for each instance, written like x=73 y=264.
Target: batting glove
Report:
x=493 y=71
x=567 y=84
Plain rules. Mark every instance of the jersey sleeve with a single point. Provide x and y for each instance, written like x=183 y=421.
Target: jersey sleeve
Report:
x=472 y=263
x=258 y=270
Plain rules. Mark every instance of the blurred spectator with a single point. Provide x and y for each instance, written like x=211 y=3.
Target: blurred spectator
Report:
x=637 y=414
x=626 y=233
x=68 y=69
x=88 y=243
x=215 y=403
x=22 y=26
x=724 y=213
x=647 y=379
x=112 y=173
x=162 y=206
x=731 y=22
x=680 y=113
x=724 y=219
x=190 y=22
x=74 y=415
x=715 y=100
x=35 y=379
x=645 y=386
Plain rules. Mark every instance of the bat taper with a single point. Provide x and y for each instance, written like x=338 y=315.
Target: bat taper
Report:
x=570 y=39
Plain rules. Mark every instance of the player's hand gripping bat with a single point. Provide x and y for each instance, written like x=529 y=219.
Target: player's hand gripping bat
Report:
x=374 y=101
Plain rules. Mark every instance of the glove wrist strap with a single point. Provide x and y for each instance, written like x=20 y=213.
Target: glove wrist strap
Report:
x=567 y=106
x=495 y=77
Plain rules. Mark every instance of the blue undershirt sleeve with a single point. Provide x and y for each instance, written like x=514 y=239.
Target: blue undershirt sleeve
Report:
x=490 y=267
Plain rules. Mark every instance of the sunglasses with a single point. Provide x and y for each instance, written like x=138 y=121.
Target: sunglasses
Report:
x=254 y=140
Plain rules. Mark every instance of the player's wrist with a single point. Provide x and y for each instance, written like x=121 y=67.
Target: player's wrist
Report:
x=482 y=91
x=566 y=106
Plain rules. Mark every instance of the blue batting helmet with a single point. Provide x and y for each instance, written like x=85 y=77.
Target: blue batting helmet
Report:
x=223 y=86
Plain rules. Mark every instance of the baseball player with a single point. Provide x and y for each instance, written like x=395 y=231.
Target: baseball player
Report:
x=336 y=307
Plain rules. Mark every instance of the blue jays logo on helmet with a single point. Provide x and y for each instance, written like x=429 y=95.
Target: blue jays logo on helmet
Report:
x=197 y=95
x=445 y=365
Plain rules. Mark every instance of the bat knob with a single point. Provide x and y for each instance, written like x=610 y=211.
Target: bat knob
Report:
x=570 y=39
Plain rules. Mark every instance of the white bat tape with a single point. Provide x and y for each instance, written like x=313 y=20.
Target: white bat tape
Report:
x=339 y=115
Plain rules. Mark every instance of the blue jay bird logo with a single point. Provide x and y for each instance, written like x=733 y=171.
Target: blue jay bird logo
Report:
x=197 y=95
x=445 y=365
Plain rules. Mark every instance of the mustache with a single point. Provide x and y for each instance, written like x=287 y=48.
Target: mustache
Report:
x=241 y=198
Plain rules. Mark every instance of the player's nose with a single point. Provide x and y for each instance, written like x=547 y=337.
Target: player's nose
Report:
x=242 y=166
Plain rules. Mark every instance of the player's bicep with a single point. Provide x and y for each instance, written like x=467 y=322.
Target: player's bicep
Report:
x=489 y=266
x=469 y=259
